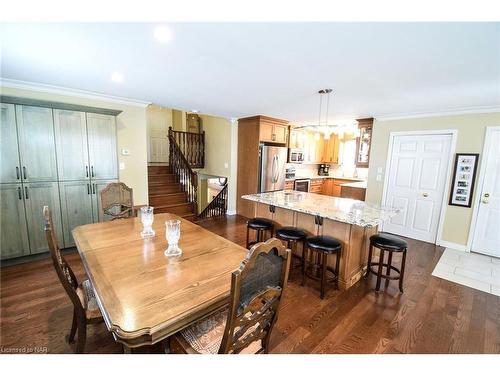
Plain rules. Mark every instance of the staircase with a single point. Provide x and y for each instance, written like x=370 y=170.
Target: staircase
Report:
x=167 y=195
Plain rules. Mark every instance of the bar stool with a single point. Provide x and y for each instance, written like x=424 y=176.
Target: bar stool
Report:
x=260 y=225
x=323 y=246
x=292 y=236
x=391 y=244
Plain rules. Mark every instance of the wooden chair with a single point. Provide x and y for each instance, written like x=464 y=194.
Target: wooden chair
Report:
x=246 y=325
x=117 y=201
x=81 y=295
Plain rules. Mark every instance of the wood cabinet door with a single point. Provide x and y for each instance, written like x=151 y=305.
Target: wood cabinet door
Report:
x=37 y=195
x=266 y=132
x=280 y=133
x=328 y=186
x=97 y=186
x=14 y=238
x=320 y=147
x=9 y=152
x=71 y=143
x=76 y=207
x=36 y=143
x=101 y=130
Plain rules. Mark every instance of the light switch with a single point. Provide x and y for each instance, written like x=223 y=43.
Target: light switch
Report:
x=122 y=166
x=379 y=177
x=125 y=152
x=379 y=170
x=226 y=165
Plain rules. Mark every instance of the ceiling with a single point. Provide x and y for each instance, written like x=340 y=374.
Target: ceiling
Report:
x=276 y=69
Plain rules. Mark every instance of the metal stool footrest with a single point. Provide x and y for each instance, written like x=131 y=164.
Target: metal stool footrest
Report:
x=384 y=267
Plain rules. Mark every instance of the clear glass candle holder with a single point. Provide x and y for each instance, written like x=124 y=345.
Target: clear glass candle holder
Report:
x=173 y=233
x=147 y=218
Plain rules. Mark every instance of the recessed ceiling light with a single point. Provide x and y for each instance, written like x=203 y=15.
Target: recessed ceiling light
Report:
x=163 y=34
x=117 y=77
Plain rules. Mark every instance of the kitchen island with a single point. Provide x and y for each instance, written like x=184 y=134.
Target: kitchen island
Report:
x=350 y=221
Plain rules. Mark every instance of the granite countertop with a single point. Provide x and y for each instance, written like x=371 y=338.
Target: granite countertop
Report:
x=322 y=177
x=357 y=185
x=345 y=210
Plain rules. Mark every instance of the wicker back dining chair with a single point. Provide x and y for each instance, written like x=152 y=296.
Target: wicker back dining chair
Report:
x=246 y=325
x=117 y=201
x=85 y=308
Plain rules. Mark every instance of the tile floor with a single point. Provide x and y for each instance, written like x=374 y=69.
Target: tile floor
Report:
x=473 y=270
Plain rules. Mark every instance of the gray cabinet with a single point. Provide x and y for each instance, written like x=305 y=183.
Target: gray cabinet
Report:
x=37 y=149
x=61 y=158
x=76 y=207
x=101 y=131
x=13 y=229
x=9 y=152
x=71 y=143
x=37 y=195
x=97 y=187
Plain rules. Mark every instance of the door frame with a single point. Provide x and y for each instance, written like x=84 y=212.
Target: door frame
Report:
x=479 y=184
x=444 y=200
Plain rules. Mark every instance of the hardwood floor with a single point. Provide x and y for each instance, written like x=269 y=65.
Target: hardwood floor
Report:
x=432 y=316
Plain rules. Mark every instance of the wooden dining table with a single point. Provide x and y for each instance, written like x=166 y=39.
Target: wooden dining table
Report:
x=145 y=296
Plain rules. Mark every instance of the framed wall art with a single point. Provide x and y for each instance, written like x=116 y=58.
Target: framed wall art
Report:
x=464 y=176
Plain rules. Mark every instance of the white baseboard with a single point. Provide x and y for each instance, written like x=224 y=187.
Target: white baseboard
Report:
x=453 y=245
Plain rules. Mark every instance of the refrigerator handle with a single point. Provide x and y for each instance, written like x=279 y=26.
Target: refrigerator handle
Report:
x=277 y=171
x=275 y=168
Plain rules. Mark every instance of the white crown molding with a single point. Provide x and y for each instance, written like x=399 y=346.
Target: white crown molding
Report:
x=41 y=87
x=455 y=112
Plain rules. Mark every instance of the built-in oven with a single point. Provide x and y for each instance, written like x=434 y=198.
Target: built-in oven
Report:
x=302 y=185
x=295 y=155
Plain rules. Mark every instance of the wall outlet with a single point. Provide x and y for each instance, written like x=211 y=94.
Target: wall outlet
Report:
x=122 y=166
x=125 y=152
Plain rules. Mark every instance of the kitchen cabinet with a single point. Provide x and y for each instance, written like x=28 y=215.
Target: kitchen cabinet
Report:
x=316 y=185
x=35 y=133
x=14 y=238
x=328 y=186
x=271 y=131
x=10 y=171
x=331 y=150
x=101 y=130
x=37 y=195
x=72 y=148
x=45 y=162
x=289 y=185
x=321 y=151
x=297 y=138
x=363 y=142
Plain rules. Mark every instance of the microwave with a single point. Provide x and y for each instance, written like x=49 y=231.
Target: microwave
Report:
x=295 y=155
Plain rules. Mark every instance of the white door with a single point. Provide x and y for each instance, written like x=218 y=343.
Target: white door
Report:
x=487 y=231
x=158 y=146
x=417 y=176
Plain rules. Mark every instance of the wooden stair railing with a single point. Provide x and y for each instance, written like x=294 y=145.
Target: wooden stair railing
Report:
x=183 y=172
x=218 y=205
x=192 y=146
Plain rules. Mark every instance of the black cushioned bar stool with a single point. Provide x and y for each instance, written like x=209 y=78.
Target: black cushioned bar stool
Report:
x=387 y=243
x=260 y=225
x=292 y=236
x=323 y=246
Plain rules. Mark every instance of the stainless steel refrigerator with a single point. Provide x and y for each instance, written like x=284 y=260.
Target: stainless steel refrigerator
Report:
x=272 y=160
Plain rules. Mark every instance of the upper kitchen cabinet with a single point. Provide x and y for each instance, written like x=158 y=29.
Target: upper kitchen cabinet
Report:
x=273 y=130
x=35 y=130
x=101 y=130
x=363 y=142
x=10 y=171
x=331 y=150
x=297 y=138
x=71 y=144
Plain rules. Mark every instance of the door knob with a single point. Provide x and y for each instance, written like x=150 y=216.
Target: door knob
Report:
x=486 y=198
x=425 y=195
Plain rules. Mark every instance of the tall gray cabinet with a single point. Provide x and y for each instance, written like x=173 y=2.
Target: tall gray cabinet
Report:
x=57 y=155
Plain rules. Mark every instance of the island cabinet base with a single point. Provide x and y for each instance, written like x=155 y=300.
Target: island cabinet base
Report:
x=355 y=239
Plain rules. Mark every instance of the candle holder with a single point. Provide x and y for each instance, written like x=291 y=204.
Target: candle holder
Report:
x=147 y=219
x=173 y=233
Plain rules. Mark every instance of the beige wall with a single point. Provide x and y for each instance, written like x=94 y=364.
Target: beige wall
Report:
x=131 y=134
x=471 y=130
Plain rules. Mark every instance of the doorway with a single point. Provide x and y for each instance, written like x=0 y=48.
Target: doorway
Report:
x=486 y=237
x=418 y=171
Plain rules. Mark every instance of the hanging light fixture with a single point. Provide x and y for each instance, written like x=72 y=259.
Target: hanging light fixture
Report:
x=323 y=126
